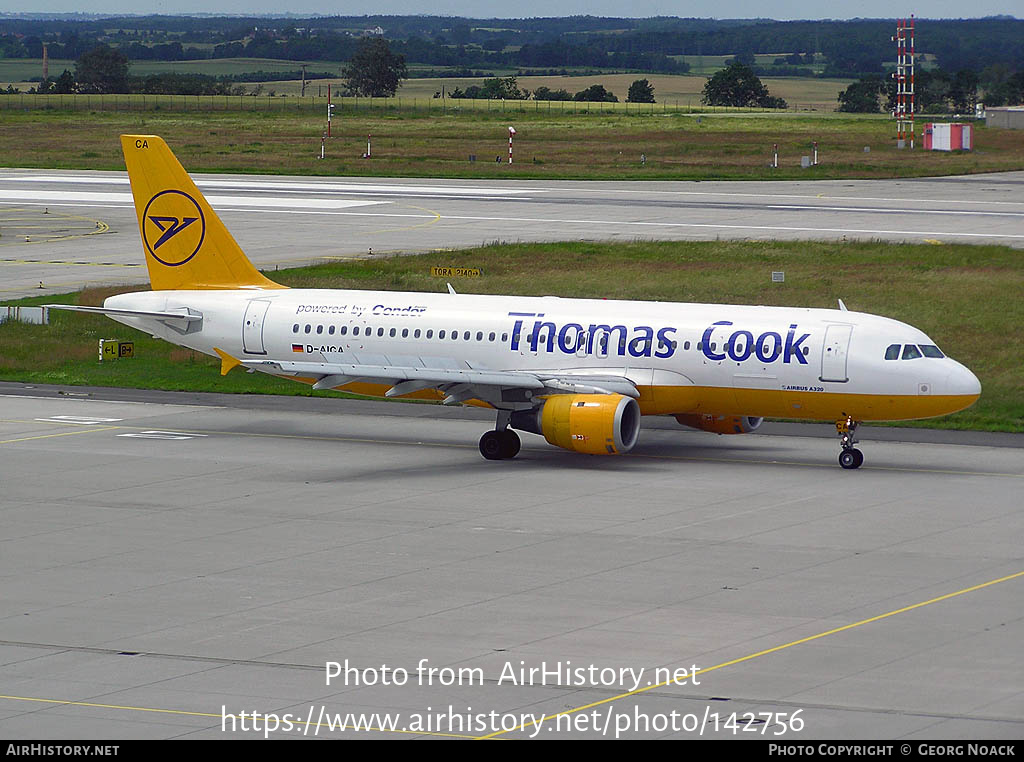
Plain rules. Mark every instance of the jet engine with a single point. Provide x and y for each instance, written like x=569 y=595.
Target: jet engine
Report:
x=596 y=424
x=720 y=424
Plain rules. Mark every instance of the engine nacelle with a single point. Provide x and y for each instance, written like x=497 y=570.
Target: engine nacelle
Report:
x=720 y=424
x=595 y=424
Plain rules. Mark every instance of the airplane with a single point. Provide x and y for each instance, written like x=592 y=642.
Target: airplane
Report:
x=579 y=372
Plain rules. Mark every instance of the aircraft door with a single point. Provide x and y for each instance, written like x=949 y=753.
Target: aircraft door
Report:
x=834 y=353
x=581 y=344
x=252 y=327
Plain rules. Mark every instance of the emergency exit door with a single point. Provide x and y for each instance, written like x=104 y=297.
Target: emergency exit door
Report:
x=834 y=353
x=252 y=327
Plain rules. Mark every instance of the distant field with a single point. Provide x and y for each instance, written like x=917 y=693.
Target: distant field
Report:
x=408 y=143
x=20 y=70
x=707 y=65
x=800 y=93
x=964 y=297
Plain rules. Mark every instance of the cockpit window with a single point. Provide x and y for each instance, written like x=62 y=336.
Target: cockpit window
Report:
x=930 y=350
x=892 y=352
x=911 y=352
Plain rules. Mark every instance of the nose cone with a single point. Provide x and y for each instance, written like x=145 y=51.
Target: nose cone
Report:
x=963 y=382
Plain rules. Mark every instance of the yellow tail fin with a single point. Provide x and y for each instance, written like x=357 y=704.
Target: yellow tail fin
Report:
x=187 y=246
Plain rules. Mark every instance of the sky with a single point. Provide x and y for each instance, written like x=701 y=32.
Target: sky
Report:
x=721 y=9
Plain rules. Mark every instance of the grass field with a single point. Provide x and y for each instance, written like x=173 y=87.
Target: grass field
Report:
x=409 y=143
x=967 y=298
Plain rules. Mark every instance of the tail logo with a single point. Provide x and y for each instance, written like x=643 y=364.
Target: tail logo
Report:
x=169 y=225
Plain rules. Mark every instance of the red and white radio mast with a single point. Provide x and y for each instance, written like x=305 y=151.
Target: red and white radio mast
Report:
x=904 y=76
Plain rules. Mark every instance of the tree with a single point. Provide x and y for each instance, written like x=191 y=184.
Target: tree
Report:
x=502 y=89
x=862 y=96
x=745 y=57
x=737 y=85
x=374 y=70
x=102 y=70
x=963 y=91
x=65 y=83
x=641 y=91
x=596 y=94
x=547 y=94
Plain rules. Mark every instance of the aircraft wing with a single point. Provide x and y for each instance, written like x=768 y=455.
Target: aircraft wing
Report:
x=409 y=374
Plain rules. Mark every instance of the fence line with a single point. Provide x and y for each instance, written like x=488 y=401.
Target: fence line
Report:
x=318 y=105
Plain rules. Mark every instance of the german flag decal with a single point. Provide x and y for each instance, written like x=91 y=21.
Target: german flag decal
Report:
x=296 y=347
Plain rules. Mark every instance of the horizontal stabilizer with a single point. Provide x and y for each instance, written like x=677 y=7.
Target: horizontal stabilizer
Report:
x=182 y=316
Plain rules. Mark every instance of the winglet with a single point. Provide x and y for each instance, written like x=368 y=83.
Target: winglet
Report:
x=451 y=290
x=227 y=362
x=842 y=306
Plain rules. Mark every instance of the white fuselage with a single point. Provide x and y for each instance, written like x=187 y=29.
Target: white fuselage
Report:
x=704 y=358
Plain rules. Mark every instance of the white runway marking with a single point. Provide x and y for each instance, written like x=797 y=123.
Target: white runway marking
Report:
x=300 y=186
x=80 y=197
x=884 y=210
x=729 y=194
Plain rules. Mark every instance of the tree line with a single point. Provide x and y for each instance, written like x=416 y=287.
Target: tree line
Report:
x=846 y=48
x=938 y=91
x=507 y=88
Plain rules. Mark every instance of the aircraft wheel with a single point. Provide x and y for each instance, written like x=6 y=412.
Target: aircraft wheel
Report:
x=852 y=458
x=492 y=445
x=510 y=444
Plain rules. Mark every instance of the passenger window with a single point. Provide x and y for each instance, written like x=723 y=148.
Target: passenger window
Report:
x=686 y=345
x=405 y=333
x=308 y=327
x=330 y=330
x=295 y=328
x=930 y=350
x=911 y=352
x=807 y=351
x=504 y=338
x=455 y=335
x=440 y=334
x=380 y=331
x=355 y=331
x=465 y=336
x=344 y=330
x=392 y=333
x=417 y=334
x=430 y=333
x=479 y=335
x=892 y=352
x=319 y=329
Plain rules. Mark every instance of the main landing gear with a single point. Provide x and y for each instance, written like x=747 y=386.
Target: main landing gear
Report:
x=502 y=443
x=850 y=456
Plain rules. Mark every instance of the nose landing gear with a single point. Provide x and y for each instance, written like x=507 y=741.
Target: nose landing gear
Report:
x=850 y=456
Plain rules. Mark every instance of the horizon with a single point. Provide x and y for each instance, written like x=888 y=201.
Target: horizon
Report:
x=993 y=12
